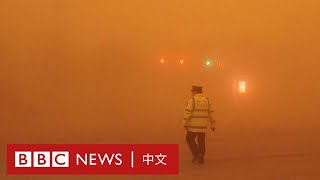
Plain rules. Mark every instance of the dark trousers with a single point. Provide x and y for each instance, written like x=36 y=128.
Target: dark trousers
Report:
x=197 y=150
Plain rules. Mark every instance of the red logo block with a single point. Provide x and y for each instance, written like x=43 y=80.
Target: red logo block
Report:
x=93 y=159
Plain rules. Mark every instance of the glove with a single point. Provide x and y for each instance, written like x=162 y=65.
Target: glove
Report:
x=213 y=129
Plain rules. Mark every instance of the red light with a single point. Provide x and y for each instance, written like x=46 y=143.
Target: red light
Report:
x=220 y=64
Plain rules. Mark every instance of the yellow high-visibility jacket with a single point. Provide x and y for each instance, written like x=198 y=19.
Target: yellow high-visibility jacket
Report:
x=198 y=114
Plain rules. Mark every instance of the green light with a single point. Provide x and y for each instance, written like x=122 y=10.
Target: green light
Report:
x=208 y=62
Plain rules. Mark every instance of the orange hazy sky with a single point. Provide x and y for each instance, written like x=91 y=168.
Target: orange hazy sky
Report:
x=94 y=60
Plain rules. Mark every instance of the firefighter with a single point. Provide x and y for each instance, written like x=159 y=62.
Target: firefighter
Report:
x=197 y=119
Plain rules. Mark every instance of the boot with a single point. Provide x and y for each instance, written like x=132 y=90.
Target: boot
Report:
x=201 y=160
x=195 y=160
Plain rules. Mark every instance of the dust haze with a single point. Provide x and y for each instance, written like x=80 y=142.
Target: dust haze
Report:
x=89 y=71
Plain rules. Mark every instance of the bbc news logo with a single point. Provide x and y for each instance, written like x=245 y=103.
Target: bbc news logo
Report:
x=41 y=159
x=92 y=159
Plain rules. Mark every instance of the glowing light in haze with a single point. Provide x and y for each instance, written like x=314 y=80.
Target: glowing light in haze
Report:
x=208 y=62
x=242 y=87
